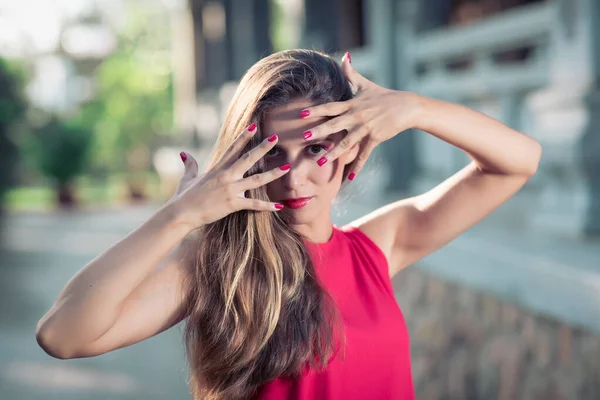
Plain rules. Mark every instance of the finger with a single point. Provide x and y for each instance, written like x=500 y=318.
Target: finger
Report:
x=249 y=158
x=361 y=160
x=258 y=180
x=258 y=205
x=343 y=146
x=326 y=110
x=191 y=167
x=234 y=151
x=325 y=129
x=356 y=79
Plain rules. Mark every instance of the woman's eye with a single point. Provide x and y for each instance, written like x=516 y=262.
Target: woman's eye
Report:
x=313 y=150
x=317 y=148
x=270 y=152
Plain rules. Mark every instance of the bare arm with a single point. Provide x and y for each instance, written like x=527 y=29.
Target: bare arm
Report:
x=503 y=161
x=91 y=302
x=134 y=290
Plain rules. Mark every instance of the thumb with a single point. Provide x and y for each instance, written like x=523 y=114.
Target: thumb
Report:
x=356 y=79
x=191 y=168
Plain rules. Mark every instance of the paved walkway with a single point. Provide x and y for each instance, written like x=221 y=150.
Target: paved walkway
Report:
x=42 y=251
x=40 y=254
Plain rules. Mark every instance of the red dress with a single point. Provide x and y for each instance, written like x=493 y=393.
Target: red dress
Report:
x=377 y=363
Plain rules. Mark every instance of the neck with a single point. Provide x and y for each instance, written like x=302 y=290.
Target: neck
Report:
x=318 y=232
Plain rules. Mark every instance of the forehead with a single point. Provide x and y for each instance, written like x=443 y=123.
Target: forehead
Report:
x=286 y=122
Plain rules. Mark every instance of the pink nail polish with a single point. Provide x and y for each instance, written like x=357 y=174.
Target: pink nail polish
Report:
x=322 y=161
x=351 y=176
x=307 y=135
x=348 y=57
x=285 y=167
x=279 y=206
x=273 y=138
x=183 y=156
x=304 y=113
x=252 y=127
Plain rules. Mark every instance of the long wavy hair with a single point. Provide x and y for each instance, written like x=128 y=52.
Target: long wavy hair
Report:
x=256 y=310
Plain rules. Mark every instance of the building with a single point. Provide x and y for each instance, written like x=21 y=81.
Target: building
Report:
x=532 y=64
x=535 y=66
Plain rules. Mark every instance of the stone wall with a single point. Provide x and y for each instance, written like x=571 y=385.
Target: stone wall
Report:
x=470 y=345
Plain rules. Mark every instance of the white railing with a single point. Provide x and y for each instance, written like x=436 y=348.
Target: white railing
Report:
x=523 y=27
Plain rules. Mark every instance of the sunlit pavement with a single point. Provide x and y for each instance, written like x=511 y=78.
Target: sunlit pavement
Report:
x=42 y=251
x=40 y=254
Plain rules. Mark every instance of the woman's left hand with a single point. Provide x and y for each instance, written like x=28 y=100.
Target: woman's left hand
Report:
x=374 y=115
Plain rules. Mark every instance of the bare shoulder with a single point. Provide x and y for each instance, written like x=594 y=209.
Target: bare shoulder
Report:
x=386 y=227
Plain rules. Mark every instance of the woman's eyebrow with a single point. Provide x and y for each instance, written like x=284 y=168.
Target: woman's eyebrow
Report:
x=307 y=142
x=328 y=137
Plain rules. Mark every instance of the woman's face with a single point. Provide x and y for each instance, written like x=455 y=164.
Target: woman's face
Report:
x=305 y=178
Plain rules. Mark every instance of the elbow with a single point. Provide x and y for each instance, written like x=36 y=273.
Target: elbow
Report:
x=535 y=155
x=51 y=344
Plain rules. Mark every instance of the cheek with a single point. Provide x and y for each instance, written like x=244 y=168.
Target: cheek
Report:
x=271 y=189
x=327 y=174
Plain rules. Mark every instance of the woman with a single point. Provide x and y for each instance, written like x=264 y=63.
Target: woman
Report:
x=278 y=302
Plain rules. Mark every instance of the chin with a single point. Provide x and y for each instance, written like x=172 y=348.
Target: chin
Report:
x=299 y=216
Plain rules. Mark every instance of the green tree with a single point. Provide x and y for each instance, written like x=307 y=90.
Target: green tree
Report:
x=12 y=107
x=59 y=149
x=134 y=102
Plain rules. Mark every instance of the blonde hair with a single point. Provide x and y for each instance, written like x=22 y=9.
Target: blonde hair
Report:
x=256 y=310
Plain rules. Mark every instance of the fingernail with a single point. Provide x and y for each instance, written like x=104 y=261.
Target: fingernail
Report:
x=306 y=135
x=285 y=167
x=351 y=176
x=278 y=206
x=273 y=138
x=322 y=161
x=304 y=113
x=183 y=156
x=252 y=127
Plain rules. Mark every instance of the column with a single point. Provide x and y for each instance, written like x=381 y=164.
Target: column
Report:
x=247 y=33
x=393 y=28
x=184 y=72
x=210 y=46
x=321 y=25
x=590 y=142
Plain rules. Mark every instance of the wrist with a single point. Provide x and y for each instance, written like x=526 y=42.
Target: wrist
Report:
x=418 y=108
x=172 y=215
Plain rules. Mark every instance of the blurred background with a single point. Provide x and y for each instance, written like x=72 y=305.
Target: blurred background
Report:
x=98 y=97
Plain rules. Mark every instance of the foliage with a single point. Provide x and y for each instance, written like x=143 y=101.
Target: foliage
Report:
x=278 y=28
x=134 y=102
x=12 y=107
x=59 y=148
x=114 y=132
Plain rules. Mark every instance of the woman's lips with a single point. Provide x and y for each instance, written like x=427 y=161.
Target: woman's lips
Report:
x=296 y=203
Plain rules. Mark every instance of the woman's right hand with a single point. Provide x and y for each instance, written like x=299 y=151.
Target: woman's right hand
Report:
x=220 y=192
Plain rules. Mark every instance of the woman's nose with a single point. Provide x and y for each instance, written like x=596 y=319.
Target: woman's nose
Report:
x=297 y=175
